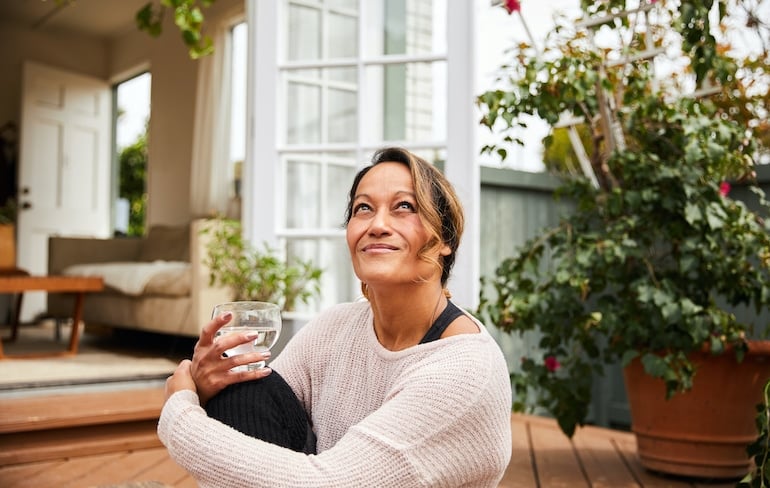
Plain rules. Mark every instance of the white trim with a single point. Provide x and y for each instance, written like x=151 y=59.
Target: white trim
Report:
x=462 y=168
x=352 y=146
x=374 y=61
x=260 y=200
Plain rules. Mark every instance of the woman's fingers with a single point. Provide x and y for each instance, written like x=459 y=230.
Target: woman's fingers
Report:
x=212 y=367
x=210 y=329
x=180 y=380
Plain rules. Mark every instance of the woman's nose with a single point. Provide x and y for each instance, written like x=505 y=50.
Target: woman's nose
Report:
x=380 y=223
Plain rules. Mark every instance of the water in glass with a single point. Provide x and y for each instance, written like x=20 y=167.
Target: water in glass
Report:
x=261 y=318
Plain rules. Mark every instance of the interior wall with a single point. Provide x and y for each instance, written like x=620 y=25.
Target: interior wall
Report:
x=174 y=79
x=81 y=54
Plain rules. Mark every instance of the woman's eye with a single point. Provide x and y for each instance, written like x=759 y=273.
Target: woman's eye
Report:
x=360 y=207
x=405 y=205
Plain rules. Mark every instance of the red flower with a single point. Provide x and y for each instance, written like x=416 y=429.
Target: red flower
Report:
x=724 y=188
x=551 y=363
x=512 y=6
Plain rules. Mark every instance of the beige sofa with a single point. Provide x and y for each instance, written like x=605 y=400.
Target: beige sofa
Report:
x=157 y=283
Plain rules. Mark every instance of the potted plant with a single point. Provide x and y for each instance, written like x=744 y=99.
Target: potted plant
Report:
x=651 y=268
x=254 y=273
x=259 y=274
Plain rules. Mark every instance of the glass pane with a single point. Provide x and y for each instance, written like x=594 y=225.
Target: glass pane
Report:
x=343 y=36
x=342 y=115
x=436 y=157
x=304 y=33
x=338 y=282
x=407 y=102
x=303 y=104
x=351 y=5
x=303 y=185
x=346 y=75
x=340 y=179
x=405 y=27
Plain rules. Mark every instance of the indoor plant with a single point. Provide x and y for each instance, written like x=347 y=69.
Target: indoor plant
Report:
x=650 y=266
x=254 y=273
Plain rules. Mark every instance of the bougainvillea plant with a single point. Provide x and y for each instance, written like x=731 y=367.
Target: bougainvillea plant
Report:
x=657 y=253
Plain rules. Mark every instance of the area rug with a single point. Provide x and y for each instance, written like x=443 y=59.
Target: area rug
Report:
x=101 y=358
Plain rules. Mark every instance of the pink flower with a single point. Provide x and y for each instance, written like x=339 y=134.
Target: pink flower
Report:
x=512 y=6
x=724 y=188
x=551 y=363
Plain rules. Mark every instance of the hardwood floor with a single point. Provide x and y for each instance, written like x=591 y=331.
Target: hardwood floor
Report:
x=108 y=439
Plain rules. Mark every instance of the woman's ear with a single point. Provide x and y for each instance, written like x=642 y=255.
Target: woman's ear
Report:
x=445 y=250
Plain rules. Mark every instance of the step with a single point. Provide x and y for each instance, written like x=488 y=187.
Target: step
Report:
x=70 y=425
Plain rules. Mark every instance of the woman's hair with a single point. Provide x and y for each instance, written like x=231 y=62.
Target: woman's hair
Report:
x=438 y=207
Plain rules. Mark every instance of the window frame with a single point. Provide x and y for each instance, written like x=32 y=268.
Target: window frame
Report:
x=263 y=190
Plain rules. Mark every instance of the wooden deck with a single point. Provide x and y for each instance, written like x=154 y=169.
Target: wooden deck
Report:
x=108 y=439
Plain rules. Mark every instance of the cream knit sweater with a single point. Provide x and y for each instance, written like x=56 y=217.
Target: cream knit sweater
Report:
x=436 y=414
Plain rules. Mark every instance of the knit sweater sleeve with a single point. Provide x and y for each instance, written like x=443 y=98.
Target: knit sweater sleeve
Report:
x=445 y=422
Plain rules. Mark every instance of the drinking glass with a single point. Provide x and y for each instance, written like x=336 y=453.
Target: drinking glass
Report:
x=261 y=318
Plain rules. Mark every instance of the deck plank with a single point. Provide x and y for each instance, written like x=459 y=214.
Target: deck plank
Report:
x=130 y=467
x=10 y=476
x=595 y=457
x=601 y=460
x=520 y=472
x=627 y=447
x=166 y=471
x=555 y=460
x=69 y=473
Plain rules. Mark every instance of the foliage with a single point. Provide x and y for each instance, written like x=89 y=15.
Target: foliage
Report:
x=257 y=274
x=759 y=450
x=132 y=162
x=188 y=17
x=559 y=155
x=656 y=255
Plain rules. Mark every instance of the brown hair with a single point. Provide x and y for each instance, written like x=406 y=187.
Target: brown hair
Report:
x=438 y=207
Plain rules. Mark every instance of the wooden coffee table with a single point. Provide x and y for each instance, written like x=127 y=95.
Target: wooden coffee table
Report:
x=76 y=285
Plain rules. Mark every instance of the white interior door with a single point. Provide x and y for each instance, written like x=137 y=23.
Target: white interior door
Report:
x=64 y=165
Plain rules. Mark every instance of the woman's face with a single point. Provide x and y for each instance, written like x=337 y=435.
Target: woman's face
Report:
x=385 y=233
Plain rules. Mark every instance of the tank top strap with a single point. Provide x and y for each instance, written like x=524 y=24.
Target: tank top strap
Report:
x=451 y=312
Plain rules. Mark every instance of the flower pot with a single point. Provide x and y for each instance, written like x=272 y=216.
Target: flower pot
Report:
x=704 y=432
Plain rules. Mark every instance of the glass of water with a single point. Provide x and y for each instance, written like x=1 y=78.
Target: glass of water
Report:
x=261 y=318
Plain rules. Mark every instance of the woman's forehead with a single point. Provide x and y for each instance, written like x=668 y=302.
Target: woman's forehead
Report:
x=389 y=177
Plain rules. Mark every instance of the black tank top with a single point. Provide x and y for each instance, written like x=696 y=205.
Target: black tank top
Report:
x=446 y=317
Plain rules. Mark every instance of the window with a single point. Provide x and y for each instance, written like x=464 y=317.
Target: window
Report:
x=349 y=76
x=131 y=122
x=237 y=143
x=353 y=77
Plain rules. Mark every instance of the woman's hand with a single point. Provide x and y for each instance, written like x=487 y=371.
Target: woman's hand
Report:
x=180 y=380
x=211 y=371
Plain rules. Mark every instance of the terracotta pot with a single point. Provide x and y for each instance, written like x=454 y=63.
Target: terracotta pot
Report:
x=704 y=432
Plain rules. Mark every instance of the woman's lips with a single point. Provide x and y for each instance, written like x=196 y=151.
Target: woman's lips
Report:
x=378 y=248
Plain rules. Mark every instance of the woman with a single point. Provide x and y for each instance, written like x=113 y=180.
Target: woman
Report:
x=403 y=389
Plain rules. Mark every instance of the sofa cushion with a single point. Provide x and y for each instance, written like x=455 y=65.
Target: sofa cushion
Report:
x=174 y=281
x=166 y=243
x=169 y=278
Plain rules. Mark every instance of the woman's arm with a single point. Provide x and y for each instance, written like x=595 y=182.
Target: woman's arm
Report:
x=447 y=423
